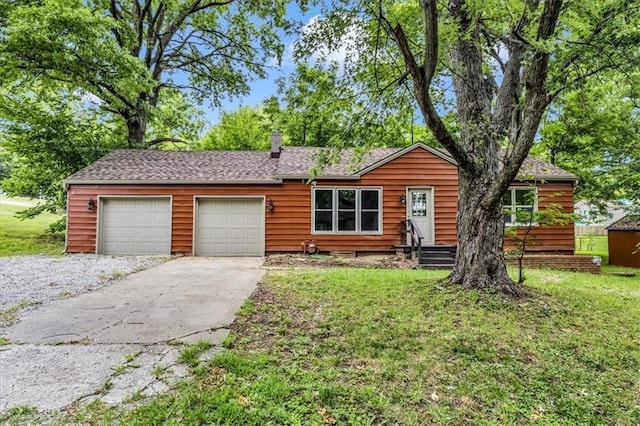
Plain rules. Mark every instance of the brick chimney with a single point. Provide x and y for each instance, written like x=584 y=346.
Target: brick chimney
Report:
x=276 y=144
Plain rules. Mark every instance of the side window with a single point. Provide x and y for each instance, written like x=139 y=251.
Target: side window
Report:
x=518 y=205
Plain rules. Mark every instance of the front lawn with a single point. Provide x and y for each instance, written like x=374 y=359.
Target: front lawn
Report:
x=356 y=346
x=20 y=237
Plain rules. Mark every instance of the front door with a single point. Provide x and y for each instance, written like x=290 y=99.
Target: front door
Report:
x=420 y=209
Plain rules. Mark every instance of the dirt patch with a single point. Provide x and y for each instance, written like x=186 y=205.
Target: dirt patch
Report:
x=322 y=261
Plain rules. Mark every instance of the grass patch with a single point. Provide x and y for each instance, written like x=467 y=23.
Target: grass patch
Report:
x=399 y=347
x=23 y=237
x=10 y=315
x=190 y=355
x=587 y=244
x=20 y=415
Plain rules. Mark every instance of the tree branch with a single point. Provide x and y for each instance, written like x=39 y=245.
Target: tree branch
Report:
x=535 y=102
x=165 y=139
x=422 y=77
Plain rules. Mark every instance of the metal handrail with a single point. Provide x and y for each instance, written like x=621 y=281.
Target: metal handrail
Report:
x=411 y=227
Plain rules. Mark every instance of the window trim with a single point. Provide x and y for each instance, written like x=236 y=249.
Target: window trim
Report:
x=512 y=207
x=335 y=209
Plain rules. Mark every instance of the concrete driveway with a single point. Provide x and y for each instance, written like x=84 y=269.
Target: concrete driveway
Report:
x=69 y=350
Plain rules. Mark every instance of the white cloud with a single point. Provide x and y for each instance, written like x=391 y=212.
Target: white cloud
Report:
x=345 y=47
x=90 y=98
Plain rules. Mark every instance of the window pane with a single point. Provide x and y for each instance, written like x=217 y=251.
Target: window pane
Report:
x=369 y=200
x=418 y=204
x=525 y=197
x=507 y=218
x=506 y=199
x=369 y=221
x=346 y=221
x=524 y=214
x=347 y=199
x=324 y=221
x=324 y=198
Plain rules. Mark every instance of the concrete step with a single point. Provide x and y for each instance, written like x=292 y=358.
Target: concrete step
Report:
x=438 y=266
x=437 y=260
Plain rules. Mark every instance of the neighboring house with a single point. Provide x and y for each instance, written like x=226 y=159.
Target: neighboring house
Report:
x=231 y=203
x=591 y=215
x=624 y=241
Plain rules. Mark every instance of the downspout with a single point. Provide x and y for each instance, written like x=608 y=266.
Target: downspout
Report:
x=66 y=226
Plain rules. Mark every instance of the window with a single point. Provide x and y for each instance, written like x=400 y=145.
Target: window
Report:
x=519 y=204
x=346 y=210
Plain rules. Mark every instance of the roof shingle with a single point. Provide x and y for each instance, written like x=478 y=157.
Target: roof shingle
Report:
x=206 y=166
x=153 y=166
x=630 y=222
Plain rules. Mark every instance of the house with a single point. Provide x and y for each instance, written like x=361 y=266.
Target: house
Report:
x=590 y=214
x=624 y=241
x=230 y=203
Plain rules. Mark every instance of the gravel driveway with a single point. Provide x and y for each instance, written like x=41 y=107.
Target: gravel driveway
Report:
x=123 y=340
x=36 y=280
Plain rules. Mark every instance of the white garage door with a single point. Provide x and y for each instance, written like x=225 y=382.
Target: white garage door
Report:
x=230 y=227
x=135 y=226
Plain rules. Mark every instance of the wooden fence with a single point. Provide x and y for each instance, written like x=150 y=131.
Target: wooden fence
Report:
x=590 y=230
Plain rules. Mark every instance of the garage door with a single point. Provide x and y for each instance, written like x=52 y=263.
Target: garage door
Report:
x=230 y=227
x=135 y=226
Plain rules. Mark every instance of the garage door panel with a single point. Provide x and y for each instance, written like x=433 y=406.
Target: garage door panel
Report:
x=161 y=233
x=135 y=226
x=221 y=234
x=230 y=227
x=223 y=219
x=238 y=219
x=146 y=233
x=254 y=220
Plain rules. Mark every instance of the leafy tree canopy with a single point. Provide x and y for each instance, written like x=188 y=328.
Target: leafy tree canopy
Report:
x=248 y=128
x=594 y=132
x=50 y=137
x=129 y=54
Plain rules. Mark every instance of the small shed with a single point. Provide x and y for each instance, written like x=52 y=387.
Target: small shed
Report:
x=624 y=241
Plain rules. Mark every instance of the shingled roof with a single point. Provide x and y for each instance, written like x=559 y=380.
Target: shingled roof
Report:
x=135 y=165
x=151 y=166
x=535 y=168
x=630 y=222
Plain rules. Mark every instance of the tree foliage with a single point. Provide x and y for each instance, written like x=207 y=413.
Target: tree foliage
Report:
x=130 y=54
x=315 y=109
x=594 y=132
x=80 y=78
x=50 y=137
x=248 y=128
x=500 y=63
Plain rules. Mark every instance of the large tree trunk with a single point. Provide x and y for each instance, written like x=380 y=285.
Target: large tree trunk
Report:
x=480 y=256
x=136 y=129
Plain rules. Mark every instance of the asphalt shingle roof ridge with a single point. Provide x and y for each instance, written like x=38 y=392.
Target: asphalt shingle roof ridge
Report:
x=229 y=165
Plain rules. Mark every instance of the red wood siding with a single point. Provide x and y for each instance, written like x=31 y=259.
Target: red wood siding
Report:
x=290 y=221
x=622 y=248
x=417 y=168
x=556 y=238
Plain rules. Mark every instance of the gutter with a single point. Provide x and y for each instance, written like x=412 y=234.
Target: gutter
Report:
x=68 y=182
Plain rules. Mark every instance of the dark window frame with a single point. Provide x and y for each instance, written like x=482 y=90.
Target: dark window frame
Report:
x=336 y=209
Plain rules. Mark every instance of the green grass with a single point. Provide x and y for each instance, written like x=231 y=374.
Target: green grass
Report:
x=356 y=346
x=21 y=237
x=595 y=245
